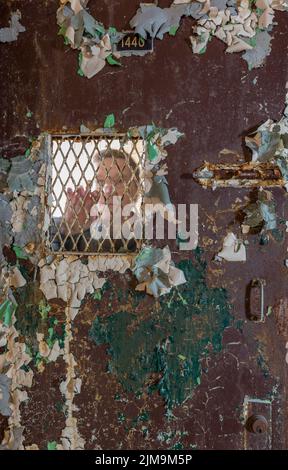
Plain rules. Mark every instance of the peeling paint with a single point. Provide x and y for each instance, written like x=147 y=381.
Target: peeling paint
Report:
x=71 y=438
x=11 y=33
x=243 y=26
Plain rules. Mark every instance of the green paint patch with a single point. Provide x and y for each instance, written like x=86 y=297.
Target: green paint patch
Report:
x=121 y=418
x=152 y=151
x=112 y=30
x=151 y=144
x=252 y=41
x=27 y=152
x=259 y=11
x=52 y=445
x=269 y=311
x=7 y=308
x=60 y=406
x=44 y=308
x=109 y=121
x=171 y=341
x=173 y=30
x=62 y=31
x=19 y=252
x=55 y=332
x=112 y=61
x=97 y=295
x=181 y=357
x=203 y=50
x=177 y=446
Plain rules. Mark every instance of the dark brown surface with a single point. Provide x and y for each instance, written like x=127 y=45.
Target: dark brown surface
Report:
x=215 y=101
x=3 y=425
x=43 y=415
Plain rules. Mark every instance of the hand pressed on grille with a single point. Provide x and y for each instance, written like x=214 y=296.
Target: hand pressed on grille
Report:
x=88 y=215
x=77 y=218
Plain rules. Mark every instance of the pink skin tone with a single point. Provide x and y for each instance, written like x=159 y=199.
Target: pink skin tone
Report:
x=80 y=202
x=78 y=207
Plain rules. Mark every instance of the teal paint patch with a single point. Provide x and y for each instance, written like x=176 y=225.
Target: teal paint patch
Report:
x=80 y=58
x=169 y=436
x=7 y=308
x=140 y=422
x=171 y=341
x=262 y=365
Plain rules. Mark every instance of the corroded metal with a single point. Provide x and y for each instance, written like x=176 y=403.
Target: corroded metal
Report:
x=213 y=99
x=245 y=175
x=256 y=300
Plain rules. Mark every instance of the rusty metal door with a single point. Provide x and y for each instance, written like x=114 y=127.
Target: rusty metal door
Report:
x=215 y=101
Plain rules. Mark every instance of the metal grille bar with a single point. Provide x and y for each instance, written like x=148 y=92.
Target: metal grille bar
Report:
x=86 y=171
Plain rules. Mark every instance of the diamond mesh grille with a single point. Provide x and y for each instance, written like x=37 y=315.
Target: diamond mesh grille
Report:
x=86 y=172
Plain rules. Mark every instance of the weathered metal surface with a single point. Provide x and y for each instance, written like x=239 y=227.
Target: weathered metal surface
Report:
x=258 y=430
x=246 y=175
x=215 y=101
x=256 y=300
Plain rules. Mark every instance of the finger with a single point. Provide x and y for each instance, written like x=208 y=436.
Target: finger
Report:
x=70 y=193
x=87 y=189
x=80 y=191
x=76 y=202
x=95 y=195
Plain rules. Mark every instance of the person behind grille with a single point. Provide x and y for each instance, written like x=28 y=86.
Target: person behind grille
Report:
x=85 y=214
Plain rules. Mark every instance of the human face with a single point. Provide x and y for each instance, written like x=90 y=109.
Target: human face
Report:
x=116 y=178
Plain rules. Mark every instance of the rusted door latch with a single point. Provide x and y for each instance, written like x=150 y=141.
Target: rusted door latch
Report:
x=255 y=300
x=245 y=175
x=257 y=424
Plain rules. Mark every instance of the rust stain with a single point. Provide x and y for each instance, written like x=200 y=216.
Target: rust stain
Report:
x=281 y=317
x=246 y=175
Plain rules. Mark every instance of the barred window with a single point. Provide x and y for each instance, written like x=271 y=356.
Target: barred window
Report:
x=88 y=173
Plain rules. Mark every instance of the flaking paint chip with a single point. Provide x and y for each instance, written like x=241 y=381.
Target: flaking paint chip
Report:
x=233 y=249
